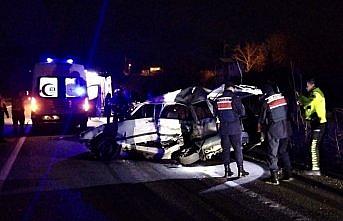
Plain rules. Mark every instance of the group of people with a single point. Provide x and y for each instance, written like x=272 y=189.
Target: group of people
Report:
x=18 y=113
x=274 y=123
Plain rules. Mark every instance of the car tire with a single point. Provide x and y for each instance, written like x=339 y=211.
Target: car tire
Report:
x=106 y=148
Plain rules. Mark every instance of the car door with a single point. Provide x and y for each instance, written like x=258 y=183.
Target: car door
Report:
x=140 y=127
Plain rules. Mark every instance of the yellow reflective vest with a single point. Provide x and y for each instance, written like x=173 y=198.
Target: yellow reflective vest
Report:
x=314 y=105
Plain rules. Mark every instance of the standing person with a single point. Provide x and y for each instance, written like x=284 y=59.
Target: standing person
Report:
x=108 y=107
x=315 y=115
x=3 y=111
x=273 y=119
x=18 y=110
x=229 y=109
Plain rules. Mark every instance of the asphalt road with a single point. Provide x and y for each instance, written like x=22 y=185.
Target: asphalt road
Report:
x=51 y=176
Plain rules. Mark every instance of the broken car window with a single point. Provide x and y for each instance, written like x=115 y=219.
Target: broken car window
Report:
x=176 y=111
x=202 y=110
x=145 y=111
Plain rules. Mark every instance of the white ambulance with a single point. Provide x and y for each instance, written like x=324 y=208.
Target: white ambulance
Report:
x=59 y=94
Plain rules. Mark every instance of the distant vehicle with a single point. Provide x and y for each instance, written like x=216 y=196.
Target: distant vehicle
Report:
x=59 y=94
x=178 y=125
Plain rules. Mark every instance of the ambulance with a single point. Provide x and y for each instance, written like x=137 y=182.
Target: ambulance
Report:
x=59 y=94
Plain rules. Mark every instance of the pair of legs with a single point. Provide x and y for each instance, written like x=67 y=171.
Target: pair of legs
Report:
x=278 y=149
x=18 y=117
x=314 y=144
x=2 y=127
x=236 y=142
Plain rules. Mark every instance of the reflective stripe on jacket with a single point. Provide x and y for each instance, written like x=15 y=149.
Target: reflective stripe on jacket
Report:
x=277 y=107
x=225 y=108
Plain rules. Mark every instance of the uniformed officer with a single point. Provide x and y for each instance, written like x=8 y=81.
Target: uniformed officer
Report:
x=273 y=119
x=108 y=107
x=18 y=110
x=3 y=111
x=315 y=114
x=229 y=110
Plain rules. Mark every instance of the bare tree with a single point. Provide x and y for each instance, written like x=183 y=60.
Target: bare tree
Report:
x=252 y=55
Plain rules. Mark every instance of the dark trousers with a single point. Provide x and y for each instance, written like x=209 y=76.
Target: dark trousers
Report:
x=278 y=149
x=314 y=145
x=18 y=116
x=236 y=142
x=2 y=127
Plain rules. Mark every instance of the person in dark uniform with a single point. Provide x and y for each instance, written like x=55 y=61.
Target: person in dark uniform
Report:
x=3 y=112
x=273 y=119
x=108 y=107
x=18 y=111
x=229 y=109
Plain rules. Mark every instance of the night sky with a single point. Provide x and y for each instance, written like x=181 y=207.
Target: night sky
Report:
x=173 y=34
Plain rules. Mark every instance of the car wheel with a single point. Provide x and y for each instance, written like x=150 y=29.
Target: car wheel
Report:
x=106 y=148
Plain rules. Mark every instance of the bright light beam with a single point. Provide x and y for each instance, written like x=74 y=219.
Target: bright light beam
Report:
x=97 y=31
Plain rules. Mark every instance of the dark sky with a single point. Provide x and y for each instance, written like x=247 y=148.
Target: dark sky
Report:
x=170 y=33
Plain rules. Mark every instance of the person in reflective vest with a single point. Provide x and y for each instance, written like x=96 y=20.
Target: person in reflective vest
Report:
x=315 y=114
x=229 y=109
x=273 y=121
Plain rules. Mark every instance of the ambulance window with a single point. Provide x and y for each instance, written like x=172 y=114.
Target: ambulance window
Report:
x=93 y=92
x=177 y=111
x=74 y=88
x=202 y=110
x=145 y=111
x=48 y=87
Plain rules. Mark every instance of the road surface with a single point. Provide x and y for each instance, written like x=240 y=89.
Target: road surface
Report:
x=51 y=176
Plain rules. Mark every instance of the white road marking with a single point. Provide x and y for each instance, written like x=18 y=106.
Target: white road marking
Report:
x=294 y=215
x=10 y=161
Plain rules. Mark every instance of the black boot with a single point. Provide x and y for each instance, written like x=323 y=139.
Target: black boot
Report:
x=228 y=171
x=274 y=178
x=242 y=172
x=287 y=175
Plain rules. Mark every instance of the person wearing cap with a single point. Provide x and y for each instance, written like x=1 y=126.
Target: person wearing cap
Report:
x=273 y=121
x=315 y=114
x=3 y=112
x=229 y=109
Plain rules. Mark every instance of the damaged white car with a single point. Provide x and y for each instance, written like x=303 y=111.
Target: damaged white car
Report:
x=179 y=125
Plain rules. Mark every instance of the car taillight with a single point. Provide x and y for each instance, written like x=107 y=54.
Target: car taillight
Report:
x=86 y=104
x=34 y=105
